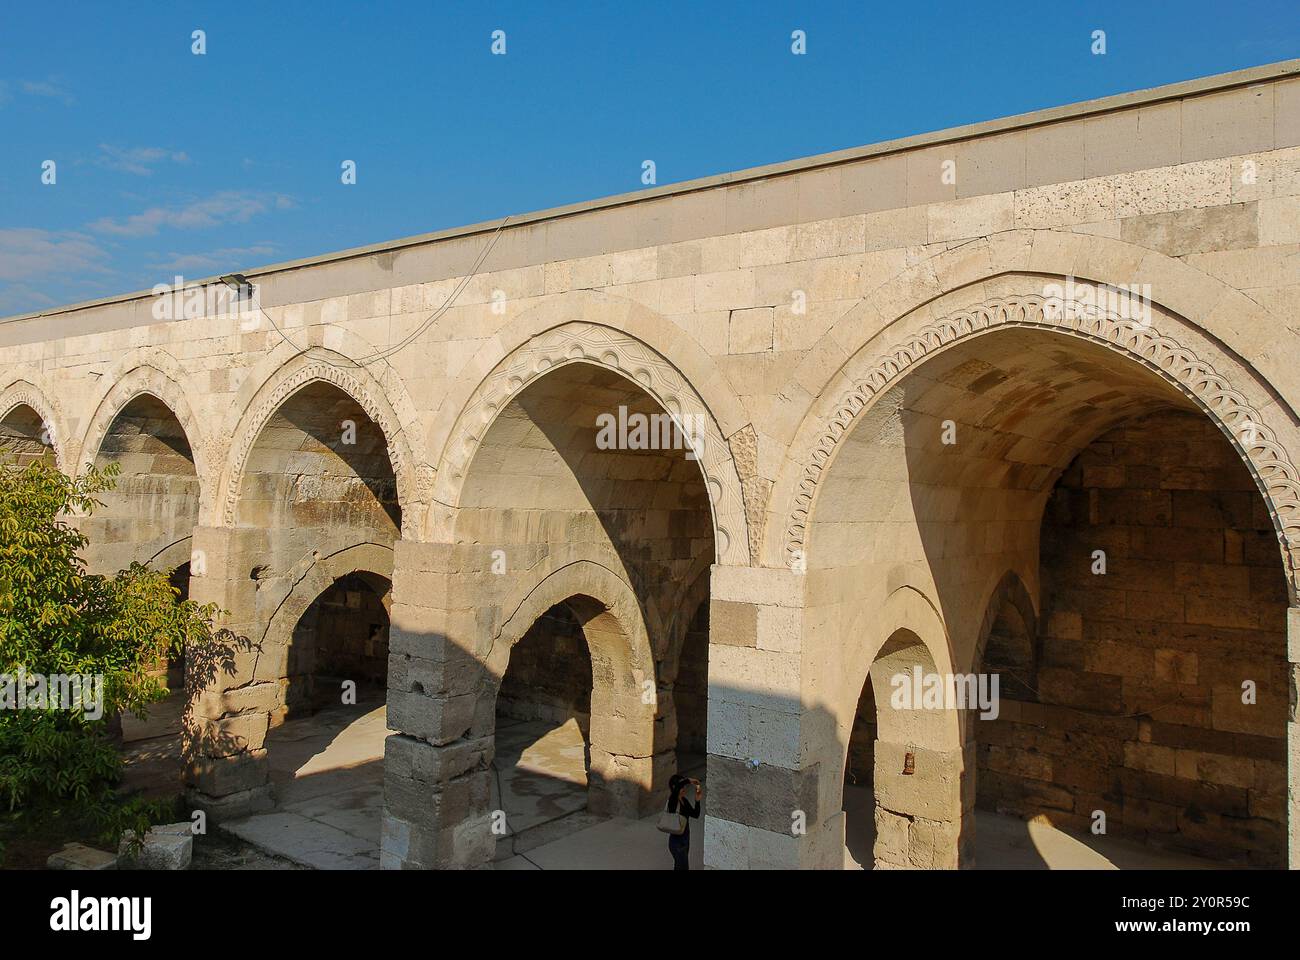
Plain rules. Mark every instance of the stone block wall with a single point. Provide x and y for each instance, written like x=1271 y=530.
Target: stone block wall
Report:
x=155 y=499
x=859 y=770
x=549 y=676
x=764 y=300
x=1139 y=708
x=691 y=687
x=342 y=636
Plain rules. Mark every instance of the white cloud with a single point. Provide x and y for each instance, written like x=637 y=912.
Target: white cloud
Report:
x=213 y=260
x=229 y=206
x=51 y=89
x=27 y=253
x=22 y=298
x=42 y=88
x=137 y=160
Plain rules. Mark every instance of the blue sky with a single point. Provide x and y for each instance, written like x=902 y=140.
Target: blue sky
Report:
x=169 y=162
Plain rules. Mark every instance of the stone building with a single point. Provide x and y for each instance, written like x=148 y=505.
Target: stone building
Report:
x=1018 y=398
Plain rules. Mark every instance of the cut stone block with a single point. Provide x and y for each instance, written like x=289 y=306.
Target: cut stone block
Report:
x=166 y=847
x=78 y=856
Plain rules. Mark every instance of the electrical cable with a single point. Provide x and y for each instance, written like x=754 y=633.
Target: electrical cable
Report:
x=360 y=362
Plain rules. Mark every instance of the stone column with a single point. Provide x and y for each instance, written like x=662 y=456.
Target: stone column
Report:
x=437 y=781
x=232 y=700
x=626 y=771
x=766 y=806
x=923 y=817
x=628 y=759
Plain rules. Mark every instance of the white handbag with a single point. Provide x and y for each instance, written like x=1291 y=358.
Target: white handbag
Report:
x=672 y=823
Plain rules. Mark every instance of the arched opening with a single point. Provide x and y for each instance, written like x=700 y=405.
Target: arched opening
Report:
x=25 y=437
x=318 y=483
x=326 y=756
x=543 y=727
x=947 y=480
x=155 y=503
x=583 y=466
x=338 y=653
x=148 y=517
x=1011 y=651
x=321 y=462
x=317 y=517
x=896 y=788
x=1162 y=597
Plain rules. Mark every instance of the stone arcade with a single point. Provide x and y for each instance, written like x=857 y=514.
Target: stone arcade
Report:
x=831 y=323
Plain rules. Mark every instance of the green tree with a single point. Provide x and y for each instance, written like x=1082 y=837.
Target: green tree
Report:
x=58 y=619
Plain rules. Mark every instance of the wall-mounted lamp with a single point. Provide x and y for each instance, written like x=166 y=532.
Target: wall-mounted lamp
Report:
x=239 y=283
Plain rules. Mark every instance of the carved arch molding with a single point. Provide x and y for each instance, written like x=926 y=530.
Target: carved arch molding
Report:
x=1256 y=444
x=591 y=343
x=365 y=395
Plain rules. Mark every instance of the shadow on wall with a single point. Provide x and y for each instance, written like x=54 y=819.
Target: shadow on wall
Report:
x=1048 y=456
x=773 y=775
x=549 y=677
x=341 y=638
x=215 y=749
x=313 y=454
x=24 y=437
x=544 y=455
x=1134 y=707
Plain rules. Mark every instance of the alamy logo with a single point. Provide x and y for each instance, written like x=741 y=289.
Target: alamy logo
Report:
x=1089 y=301
x=74 y=913
x=56 y=691
x=919 y=690
x=655 y=431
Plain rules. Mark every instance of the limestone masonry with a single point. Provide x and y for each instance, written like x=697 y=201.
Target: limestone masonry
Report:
x=906 y=447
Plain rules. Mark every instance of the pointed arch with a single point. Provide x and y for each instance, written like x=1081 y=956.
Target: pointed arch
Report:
x=134 y=379
x=356 y=382
x=604 y=347
x=24 y=393
x=872 y=371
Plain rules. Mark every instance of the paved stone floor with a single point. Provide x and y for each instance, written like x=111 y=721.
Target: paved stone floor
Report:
x=327 y=770
x=1009 y=843
x=328 y=774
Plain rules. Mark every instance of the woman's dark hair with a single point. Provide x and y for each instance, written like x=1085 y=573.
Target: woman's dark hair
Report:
x=676 y=782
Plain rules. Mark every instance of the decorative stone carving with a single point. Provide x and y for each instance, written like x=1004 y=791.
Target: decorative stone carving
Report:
x=1268 y=461
x=603 y=346
x=756 y=489
x=25 y=393
x=381 y=414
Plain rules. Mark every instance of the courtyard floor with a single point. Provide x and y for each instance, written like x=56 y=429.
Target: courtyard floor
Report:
x=1009 y=843
x=327 y=770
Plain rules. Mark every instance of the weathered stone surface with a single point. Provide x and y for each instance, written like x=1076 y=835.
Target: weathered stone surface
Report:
x=768 y=797
x=870 y=416
x=163 y=847
x=78 y=856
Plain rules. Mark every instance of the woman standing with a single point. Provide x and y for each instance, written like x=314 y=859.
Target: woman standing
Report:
x=679 y=844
